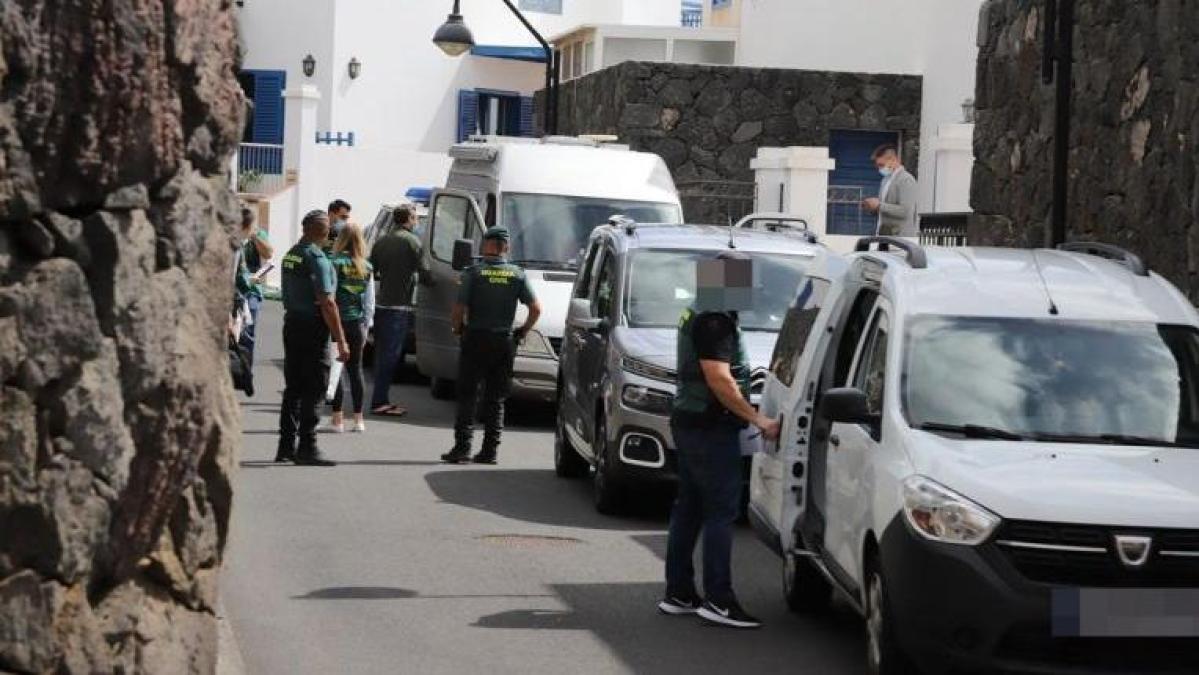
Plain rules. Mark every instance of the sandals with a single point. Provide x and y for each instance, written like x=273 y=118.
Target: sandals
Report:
x=390 y=411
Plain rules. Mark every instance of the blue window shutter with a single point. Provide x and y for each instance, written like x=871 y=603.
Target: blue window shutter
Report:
x=526 y=116
x=268 y=106
x=468 y=113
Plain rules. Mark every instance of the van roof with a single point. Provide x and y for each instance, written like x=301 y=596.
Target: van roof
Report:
x=1023 y=283
x=583 y=171
x=711 y=238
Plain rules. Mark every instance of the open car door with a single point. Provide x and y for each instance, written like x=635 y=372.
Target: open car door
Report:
x=453 y=215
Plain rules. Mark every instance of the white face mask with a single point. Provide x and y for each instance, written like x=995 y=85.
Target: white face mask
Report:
x=886 y=171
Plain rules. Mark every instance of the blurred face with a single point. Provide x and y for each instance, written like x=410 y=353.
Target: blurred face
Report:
x=494 y=247
x=887 y=160
x=319 y=228
x=339 y=214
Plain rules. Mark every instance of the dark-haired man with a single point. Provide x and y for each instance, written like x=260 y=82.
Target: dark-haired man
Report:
x=399 y=263
x=339 y=215
x=310 y=318
x=897 y=196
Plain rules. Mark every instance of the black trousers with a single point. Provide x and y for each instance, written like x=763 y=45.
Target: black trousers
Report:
x=305 y=375
x=356 y=337
x=486 y=360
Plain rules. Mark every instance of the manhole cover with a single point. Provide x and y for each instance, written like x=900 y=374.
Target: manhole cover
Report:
x=529 y=541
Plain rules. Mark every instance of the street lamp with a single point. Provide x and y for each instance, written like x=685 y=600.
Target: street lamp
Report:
x=309 y=65
x=355 y=68
x=455 y=39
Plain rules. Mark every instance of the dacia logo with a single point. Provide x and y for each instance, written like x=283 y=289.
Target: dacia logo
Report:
x=1133 y=550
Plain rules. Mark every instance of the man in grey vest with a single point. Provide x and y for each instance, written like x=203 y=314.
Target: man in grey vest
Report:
x=897 y=196
x=711 y=408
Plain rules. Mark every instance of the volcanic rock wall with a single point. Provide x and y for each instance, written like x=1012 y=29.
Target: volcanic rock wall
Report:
x=117 y=420
x=1135 y=130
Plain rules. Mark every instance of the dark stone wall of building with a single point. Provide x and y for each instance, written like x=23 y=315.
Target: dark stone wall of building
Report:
x=1133 y=143
x=117 y=421
x=708 y=122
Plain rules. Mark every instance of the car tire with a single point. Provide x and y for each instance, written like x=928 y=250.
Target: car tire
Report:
x=804 y=587
x=441 y=388
x=884 y=656
x=567 y=461
x=608 y=493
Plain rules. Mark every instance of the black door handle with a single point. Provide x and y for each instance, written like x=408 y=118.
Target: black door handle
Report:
x=835 y=440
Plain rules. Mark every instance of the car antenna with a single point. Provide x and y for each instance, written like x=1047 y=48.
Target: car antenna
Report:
x=732 y=241
x=1044 y=284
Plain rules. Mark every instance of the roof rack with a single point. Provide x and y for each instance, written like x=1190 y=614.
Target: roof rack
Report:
x=1114 y=253
x=917 y=258
x=618 y=220
x=778 y=222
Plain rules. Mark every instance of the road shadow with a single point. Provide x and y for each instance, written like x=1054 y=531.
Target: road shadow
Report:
x=395 y=593
x=267 y=464
x=624 y=616
x=534 y=496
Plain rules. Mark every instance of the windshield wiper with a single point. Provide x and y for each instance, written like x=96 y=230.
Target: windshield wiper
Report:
x=974 y=431
x=1112 y=439
x=552 y=264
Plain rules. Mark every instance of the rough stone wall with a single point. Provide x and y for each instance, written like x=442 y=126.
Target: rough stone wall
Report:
x=1134 y=133
x=708 y=122
x=117 y=421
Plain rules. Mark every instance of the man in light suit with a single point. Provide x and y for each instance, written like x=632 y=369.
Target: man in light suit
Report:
x=896 y=201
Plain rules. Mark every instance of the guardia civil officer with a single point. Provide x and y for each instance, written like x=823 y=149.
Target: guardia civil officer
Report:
x=483 y=318
x=310 y=317
x=711 y=408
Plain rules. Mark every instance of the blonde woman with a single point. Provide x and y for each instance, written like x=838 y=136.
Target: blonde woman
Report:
x=356 y=303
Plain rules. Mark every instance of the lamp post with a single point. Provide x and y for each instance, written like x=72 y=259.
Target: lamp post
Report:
x=1057 y=68
x=455 y=39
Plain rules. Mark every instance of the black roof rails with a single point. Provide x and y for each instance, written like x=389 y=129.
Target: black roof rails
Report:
x=628 y=224
x=1130 y=260
x=917 y=258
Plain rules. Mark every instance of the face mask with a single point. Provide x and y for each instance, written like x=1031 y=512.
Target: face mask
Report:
x=886 y=171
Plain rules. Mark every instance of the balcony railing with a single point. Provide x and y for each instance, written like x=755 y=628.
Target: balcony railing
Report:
x=693 y=18
x=944 y=229
x=260 y=168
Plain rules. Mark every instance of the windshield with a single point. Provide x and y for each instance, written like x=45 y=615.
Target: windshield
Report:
x=662 y=285
x=1054 y=380
x=553 y=228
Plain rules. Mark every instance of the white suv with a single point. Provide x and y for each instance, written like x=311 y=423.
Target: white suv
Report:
x=992 y=454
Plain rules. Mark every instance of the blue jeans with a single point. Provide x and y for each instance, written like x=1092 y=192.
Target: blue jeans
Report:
x=246 y=340
x=391 y=330
x=709 y=498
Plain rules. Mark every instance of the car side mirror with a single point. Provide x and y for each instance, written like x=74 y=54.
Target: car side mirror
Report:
x=464 y=254
x=847 y=405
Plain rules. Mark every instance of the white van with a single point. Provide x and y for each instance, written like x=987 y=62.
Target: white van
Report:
x=550 y=193
x=992 y=454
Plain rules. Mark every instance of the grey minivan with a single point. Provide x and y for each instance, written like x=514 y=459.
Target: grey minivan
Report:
x=617 y=376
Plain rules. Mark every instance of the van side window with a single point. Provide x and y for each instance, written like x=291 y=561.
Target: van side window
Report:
x=587 y=271
x=605 y=287
x=871 y=374
x=851 y=335
x=451 y=217
x=797 y=327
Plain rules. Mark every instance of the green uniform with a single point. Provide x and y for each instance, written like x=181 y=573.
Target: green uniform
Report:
x=253 y=260
x=351 y=288
x=490 y=291
x=694 y=403
x=306 y=272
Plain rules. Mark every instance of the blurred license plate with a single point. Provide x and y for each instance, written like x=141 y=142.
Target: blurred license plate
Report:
x=1126 y=612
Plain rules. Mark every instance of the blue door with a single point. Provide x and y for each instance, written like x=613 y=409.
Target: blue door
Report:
x=854 y=179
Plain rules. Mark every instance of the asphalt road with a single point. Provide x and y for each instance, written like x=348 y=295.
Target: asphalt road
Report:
x=394 y=563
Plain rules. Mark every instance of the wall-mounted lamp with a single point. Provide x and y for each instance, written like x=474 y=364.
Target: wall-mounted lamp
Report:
x=309 y=65
x=968 y=113
x=355 y=68
x=240 y=3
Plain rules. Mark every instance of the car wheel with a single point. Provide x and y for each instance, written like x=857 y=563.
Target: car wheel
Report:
x=441 y=388
x=567 y=462
x=883 y=654
x=609 y=497
x=804 y=587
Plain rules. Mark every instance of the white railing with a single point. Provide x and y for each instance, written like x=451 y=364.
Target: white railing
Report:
x=260 y=168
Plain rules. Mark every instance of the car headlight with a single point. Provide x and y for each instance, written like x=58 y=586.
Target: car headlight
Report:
x=940 y=514
x=647 y=369
x=535 y=346
x=646 y=399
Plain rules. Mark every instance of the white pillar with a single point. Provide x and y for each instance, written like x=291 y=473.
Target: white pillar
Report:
x=794 y=181
x=954 y=148
x=299 y=152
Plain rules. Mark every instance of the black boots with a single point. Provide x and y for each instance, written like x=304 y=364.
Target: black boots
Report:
x=485 y=456
x=286 y=451
x=457 y=456
x=312 y=457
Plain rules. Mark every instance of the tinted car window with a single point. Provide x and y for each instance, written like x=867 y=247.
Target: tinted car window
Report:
x=554 y=228
x=797 y=327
